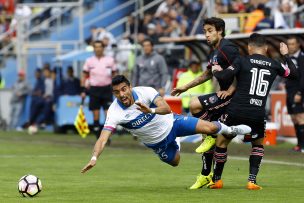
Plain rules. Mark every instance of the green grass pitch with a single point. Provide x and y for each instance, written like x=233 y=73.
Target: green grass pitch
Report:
x=127 y=172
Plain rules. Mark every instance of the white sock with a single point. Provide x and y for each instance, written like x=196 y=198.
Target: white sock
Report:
x=223 y=129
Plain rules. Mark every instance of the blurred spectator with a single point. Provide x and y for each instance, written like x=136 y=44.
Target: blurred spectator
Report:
x=123 y=55
x=254 y=18
x=288 y=6
x=19 y=93
x=130 y=25
x=150 y=69
x=295 y=92
x=237 y=6
x=164 y=8
x=194 y=71
x=143 y=25
x=266 y=23
x=97 y=74
x=108 y=47
x=37 y=97
x=41 y=108
x=102 y=33
x=57 y=78
x=93 y=36
x=151 y=33
x=71 y=84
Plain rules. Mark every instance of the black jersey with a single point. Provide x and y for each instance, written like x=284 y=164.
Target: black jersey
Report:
x=293 y=86
x=255 y=75
x=224 y=56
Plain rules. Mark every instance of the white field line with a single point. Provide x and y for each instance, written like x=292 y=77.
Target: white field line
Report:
x=230 y=157
x=268 y=161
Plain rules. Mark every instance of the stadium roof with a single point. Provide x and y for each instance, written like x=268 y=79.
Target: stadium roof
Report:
x=200 y=48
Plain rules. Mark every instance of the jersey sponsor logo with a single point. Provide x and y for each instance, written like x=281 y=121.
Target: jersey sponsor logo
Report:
x=260 y=62
x=139 y=121
x=257 y=102
x=213 y=99
x=214 y=60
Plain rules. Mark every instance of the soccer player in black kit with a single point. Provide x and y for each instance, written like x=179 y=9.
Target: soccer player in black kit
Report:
x=211 y=106
x=255 y=74
x=295 y=92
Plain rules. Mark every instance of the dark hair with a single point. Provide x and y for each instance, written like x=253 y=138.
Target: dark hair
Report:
x=218 y=23
x=118 y=79
x=257 y=40
x=98 y=42
x=294 y=37
x=148 y=40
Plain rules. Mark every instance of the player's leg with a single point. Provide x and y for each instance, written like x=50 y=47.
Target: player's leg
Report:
x=215 y=127
x=293 y=109
x=220 y=158
x=255 y=159
x=94 y=106
x=300 y=130
x=257 y=153
x=167 y=150
x=205 y=176
x=214 y=107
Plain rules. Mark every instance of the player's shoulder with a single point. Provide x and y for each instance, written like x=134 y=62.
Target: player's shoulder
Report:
x=227 y=44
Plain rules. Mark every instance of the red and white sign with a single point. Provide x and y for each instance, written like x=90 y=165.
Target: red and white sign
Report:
x=280 y=115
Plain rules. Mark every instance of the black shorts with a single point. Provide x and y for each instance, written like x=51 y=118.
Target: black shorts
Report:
x=213 y=106
x=292 y=107
x=257 y=127
x=100 y=97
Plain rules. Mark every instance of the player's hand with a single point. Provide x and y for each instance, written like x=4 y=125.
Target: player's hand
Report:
x=143 y=108
x=297 y=98
x=283 y=48
x=178 y=90
x=223 y=94
x=90 y=165
x=216 y=68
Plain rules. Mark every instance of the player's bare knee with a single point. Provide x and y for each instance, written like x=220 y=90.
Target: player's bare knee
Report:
x=195 y=106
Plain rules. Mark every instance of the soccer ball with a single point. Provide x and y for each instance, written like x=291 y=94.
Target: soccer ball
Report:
x=29 y=186
x=32 y=129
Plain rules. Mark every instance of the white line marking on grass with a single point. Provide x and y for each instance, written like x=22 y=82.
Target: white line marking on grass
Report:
x=268 y=161
x=29 y=156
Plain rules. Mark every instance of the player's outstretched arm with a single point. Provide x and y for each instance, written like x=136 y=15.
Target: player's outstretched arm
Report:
x=162 y=107
x=292 y=74
x=207 y=75
x=98 y=148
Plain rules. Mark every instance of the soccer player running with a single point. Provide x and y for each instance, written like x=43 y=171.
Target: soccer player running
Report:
x=211 y=106
x=255 y=74
x=143 y=112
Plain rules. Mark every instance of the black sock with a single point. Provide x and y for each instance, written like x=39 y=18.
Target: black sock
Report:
x=96 y=128
x=220 y=158
x=207 y=159
x=255 y=159
x=296 y=127
x=301 y=136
